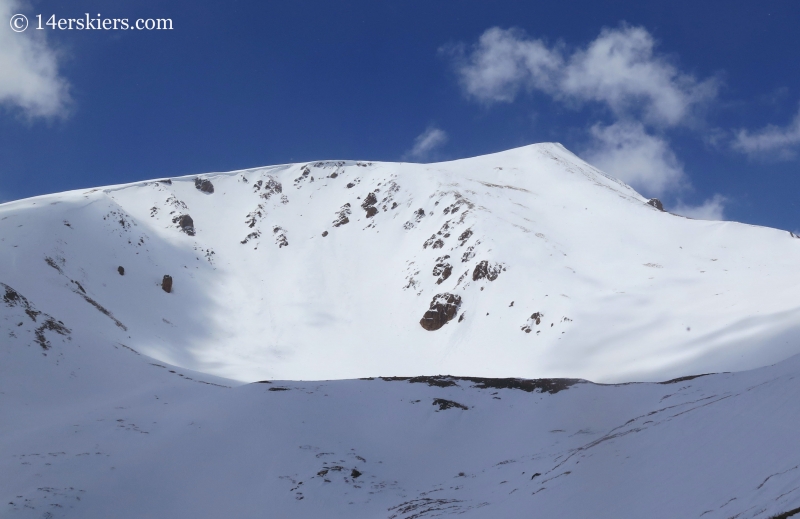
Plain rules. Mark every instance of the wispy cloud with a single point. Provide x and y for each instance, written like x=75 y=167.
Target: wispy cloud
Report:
x=29 y=76
x=644 y=92
x=646 y=162
x=426 y=142
x=780 y=143
x=619 y=69
x=711 y=209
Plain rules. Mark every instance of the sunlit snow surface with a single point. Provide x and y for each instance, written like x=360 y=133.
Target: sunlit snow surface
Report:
x=112 y=402
x=626 y=292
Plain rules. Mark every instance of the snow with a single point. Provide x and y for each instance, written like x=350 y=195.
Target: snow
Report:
x=119 y=399
x=626 y=292
x=100 y=432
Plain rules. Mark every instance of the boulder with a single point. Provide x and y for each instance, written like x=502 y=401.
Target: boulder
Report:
x=166 y=283
x=185 y=222
x=443 y=308
x=204 y=185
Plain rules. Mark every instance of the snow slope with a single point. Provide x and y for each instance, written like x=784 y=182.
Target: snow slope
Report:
x=324 y=270
x=93 y=431
x=118 y=399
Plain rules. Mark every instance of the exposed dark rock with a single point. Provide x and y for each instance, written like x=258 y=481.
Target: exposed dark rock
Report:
x=442 y=309
x=324 y=233
x=786 y=515
x=52 y=325
x=465 y=236
x=431 y=381
x=443 y=271
x=251 y=236
x=684 y=379
x=121 y=270
x=434 y=242
x=537 y=317
x=278 y=389
x=655 y=202
x=448 y=404
x=13 y=298
x=166 y=283
x=369 y=205
x=342 y=218
x=270 y=187
x=468 y=254
x=542 y=385
x=486 y=270
x=254 y=216
x=280 y=237
x=350 y=184
x=204 y=185
x=185 y=222
x=355 y=473
x=50 y=261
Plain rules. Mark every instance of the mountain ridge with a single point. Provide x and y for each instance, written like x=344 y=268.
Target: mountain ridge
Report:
x=326 y=269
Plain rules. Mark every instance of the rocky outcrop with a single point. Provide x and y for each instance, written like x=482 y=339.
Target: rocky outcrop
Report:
x=443 y=308
x=655 y=202
x=369 y=205
x=185 y=222
x=204 y=185
x=166 y=283
x=448 y=404
x=486 y=270
x=442 y=270
x=46 y=323
x=341 y=216
x=121 y=270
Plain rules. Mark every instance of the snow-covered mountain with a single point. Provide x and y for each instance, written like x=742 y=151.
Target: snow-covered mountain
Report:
x=124 y=309
x=527 y=263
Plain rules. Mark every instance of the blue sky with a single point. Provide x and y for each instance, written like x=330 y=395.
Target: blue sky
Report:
x=697 y=103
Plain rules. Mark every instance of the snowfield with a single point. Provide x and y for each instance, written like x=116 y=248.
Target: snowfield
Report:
x=325 y=270
x=103 y=432
x=269 y=343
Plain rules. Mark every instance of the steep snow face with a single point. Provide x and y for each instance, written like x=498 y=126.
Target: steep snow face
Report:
x=527 y=263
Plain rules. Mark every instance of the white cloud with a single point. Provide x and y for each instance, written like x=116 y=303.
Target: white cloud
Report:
x=618 y=69
x=426 y=142
x=711 y=209
x=771 y=141
x=503 y=62
x=646 y=162
x=29 y=77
